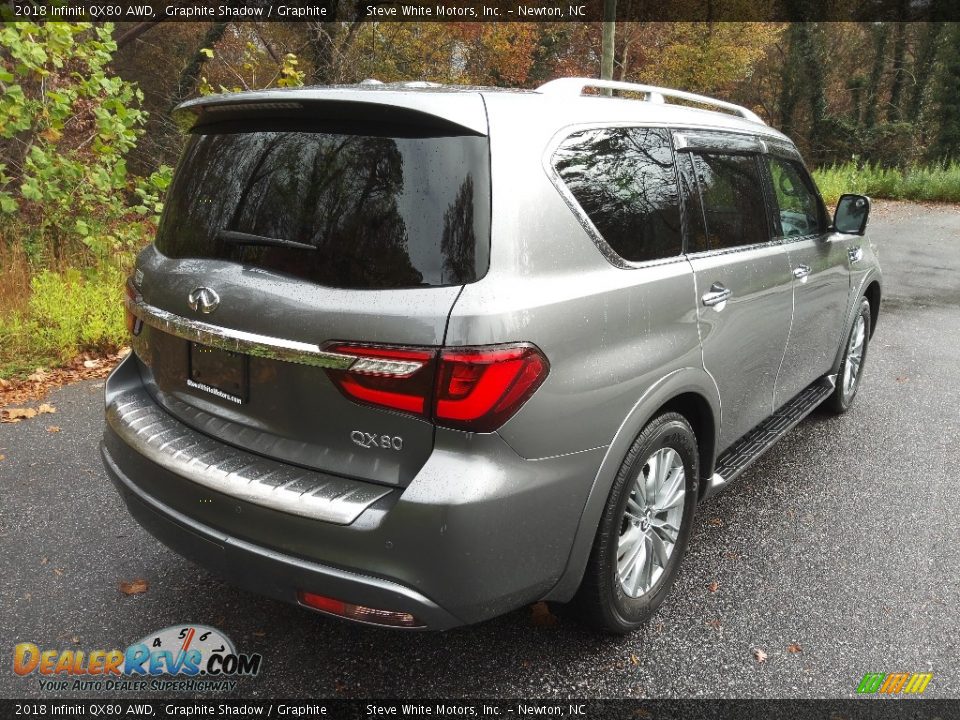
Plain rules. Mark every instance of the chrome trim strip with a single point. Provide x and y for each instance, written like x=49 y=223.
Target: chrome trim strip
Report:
x=234 y=472
x=238 y=340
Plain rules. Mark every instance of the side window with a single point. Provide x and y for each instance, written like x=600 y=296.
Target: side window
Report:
x=798 y=207
x=626 y=183
x=692 y=208
x=732 y=197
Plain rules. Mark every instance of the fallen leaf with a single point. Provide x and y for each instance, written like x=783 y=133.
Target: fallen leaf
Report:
x=259 y=633
x=5 y=383
x=44 y=561
x=715 y=624
x=794 y=648
x=58 y=571
x=634 y=660
x=46 y=408
x=75 y=639
x=541 y=616
x=91 y=363
x=760 y=655
x=713 y=586
x=38 y=375
x=134 y=587
x=715 y=522
x=731 y=556
x=53 y=428
x=3 y=457
x=16 y=414
x=902 y=379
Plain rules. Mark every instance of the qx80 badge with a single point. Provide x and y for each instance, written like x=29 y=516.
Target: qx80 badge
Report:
x=374 y=441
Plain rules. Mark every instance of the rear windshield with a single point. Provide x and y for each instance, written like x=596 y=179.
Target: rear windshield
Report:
x=375 y=212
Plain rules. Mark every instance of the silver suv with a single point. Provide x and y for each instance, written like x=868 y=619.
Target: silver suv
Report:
x=416 y=356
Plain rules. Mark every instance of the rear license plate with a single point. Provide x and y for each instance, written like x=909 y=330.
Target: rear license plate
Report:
x=218 y=372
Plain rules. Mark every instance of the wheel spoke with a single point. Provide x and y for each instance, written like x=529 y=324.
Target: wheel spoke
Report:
x=659 y=551
x=640 y=563
x=667 y=531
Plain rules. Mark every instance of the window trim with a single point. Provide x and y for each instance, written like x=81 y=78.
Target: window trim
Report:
x=611 y=255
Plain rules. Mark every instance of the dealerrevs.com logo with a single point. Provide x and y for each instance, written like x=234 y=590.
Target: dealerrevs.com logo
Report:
x=180 y=657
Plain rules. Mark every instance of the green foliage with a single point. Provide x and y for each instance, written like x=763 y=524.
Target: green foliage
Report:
x=937 y=183
x=68 y=313
x=66 y=127
x=248 y=71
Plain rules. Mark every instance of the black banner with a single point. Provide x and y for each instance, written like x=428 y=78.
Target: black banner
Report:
x=479 y=10
x=852 y=709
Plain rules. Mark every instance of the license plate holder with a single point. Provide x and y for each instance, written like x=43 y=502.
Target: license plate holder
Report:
x=218 y=372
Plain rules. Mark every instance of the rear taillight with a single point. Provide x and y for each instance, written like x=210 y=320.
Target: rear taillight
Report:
x=132 y=321
x=391 y=377
x=471 y=388
x=481 y=388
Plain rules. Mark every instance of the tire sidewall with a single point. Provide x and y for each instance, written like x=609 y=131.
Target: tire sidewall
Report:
x=847 y=400
x=671 y=432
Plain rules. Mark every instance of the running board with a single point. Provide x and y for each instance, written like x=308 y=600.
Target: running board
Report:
x=755 y=443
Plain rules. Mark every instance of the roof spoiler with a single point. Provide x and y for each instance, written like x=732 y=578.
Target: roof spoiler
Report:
x=343 y=109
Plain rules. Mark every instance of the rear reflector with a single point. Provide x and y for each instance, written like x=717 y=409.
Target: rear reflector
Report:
x=469 y=388
x=357 y=612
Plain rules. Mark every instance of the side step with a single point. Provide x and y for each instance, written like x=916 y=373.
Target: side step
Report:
x=755 y=443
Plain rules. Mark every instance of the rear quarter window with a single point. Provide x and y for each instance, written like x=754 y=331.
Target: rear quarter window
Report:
x=372 y=212
x=625 y=182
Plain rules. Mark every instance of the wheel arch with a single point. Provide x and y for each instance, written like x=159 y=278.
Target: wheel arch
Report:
x=691 y=392
x=872 y=293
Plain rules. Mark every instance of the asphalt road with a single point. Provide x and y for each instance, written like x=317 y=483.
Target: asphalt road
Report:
x=843 y=540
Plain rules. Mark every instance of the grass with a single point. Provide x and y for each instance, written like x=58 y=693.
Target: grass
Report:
x=934 y=183
x=64 y=314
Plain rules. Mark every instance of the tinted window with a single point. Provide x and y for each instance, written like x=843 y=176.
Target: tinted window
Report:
x=692 y=209
x=625 y=181
x=798 y=206
x=376 y=212
x=732 y=199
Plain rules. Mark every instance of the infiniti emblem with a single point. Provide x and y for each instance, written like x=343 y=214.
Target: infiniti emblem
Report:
x=203 y=299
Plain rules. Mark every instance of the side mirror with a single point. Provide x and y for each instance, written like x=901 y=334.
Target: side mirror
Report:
x=851 y=215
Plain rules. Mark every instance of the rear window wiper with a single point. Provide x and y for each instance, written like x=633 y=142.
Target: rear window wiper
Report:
x=238 y=238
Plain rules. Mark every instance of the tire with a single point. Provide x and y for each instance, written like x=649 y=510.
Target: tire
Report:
x=619 y=600
x=854 y=358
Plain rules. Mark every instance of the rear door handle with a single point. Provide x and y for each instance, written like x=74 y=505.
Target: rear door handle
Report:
x=717 y=296
x=800 y=272
x=855 y=254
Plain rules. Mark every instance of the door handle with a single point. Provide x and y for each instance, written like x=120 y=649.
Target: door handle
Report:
x=717 y=296
x=855 y=254
x=800 y=272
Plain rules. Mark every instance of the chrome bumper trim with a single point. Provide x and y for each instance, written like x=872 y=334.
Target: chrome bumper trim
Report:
x=160 y=438
x=238 y=340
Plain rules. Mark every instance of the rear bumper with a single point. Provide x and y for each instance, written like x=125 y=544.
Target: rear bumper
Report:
x=478 y=532
x=261 y=570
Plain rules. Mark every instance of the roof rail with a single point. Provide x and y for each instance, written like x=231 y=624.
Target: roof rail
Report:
x=575 y=86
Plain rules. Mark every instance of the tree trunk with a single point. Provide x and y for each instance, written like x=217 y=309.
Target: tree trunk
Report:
x=190 y=76
x=609 y=32
x=899 y=72
x=881 y=33
x=923 y=69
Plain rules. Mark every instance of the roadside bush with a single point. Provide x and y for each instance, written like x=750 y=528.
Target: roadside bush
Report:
x=68 y=313
x=939 y=182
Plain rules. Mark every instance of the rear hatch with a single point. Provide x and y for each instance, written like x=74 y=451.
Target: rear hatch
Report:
x=295 y=238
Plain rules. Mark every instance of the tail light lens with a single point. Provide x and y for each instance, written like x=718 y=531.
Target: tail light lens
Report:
x=357 y=612
x=132 y=321
x=481 y=388
x=472 y=388
x=391 y=377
